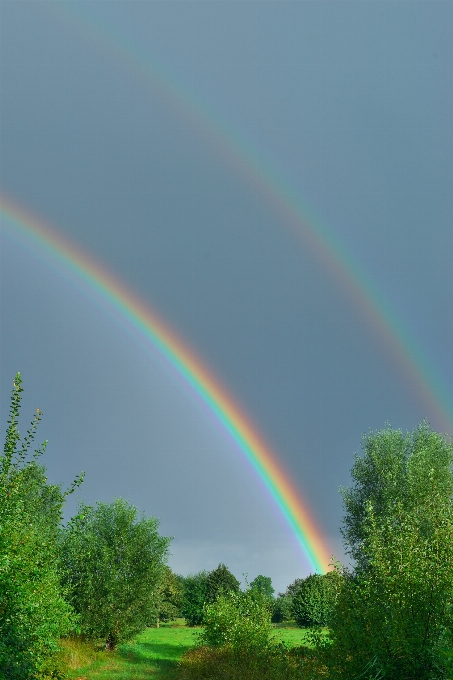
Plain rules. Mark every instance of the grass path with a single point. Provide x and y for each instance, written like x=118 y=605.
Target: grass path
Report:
x=153 y=655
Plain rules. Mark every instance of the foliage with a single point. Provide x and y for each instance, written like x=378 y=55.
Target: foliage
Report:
x=313 y=601
x=168 y=597
x=194 y=588
x=293 y=588
x=34 y=613
x=237 y=643
x=220 y=581
x=282 y=608
x=263 y=584
x=275 y=662
x=393 y=617
x=239 y=619
x=114 y=562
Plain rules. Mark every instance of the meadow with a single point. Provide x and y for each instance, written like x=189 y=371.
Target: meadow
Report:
x=152 y=654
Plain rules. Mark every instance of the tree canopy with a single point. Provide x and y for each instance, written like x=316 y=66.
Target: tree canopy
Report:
x=220 y=581
x=394 y=613
x=34 y=612
x=114 y=562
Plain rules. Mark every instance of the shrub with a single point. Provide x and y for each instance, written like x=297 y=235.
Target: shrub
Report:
x=313 y=602
x=240 y=620
x=275 y=662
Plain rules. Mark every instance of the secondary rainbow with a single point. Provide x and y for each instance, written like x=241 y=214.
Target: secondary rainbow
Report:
x=133 y=311
x=421 y=375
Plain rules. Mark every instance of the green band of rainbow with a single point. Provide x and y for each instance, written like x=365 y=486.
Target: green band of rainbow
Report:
x=136 y=313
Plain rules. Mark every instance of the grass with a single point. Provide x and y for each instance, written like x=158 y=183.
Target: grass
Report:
x=292 y=636
x=152 y=655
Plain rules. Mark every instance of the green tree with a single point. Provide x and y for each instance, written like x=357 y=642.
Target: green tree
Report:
x=114 y=562
x=282 y=608
x=283 y=603
x=194 y=589
x=393 y=617
x=314 y=599
x=33 y=611
x=263 y=584
x=220 y=581
x=169 y=596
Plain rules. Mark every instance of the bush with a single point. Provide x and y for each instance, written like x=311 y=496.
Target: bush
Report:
x=314 y=600
x=275 y=662
x=239 y=620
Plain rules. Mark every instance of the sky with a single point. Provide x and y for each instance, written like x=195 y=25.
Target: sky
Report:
x=274 y=179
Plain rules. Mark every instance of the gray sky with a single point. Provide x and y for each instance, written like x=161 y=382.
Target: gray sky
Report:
x=350 y=105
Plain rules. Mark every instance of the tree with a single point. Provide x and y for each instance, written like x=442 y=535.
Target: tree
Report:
x=194 y=589
x=114 y=562
x=220 y=581
x=34 y=612
x=314 y=599
x=263 y=584
x=283 y=603
x=282 y=608
x=394 y=613
x=169 y=596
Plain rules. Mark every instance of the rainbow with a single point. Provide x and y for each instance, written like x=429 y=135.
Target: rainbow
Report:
x=408 y=357
x=133 y=312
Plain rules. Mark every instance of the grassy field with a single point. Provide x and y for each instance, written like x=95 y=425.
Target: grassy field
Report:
x=153 y=654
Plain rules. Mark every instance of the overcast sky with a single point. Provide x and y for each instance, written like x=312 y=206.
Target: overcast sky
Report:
x=348 y=105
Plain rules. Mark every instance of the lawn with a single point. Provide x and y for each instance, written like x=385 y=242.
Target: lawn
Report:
x=153 y=654
x=291 y=635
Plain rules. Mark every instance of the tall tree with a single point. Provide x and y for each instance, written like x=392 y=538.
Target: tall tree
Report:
x=194 y=589
x=114 y=562
x=220 y=582
x=263 y=584
x=33 y=611
x=169 y=597
x=394 y=613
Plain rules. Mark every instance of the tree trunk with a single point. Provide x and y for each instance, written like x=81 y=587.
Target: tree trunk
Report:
x=157 y=622
x=110 y=643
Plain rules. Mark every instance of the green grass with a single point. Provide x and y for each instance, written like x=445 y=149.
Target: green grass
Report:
x=292 y=636
x=152 y=655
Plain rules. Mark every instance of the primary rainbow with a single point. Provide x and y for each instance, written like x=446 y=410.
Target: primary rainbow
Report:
x=134 y=312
